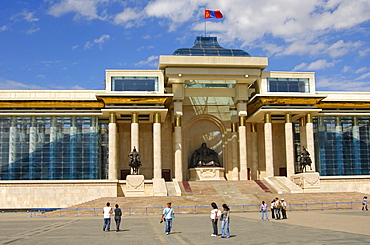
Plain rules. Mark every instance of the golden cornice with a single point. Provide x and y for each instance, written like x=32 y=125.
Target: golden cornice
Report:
x=342 y=104
x=50 y=104
x=272 y=100
x=133 y=99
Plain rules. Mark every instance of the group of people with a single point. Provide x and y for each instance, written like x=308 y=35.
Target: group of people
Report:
x=107 y=211
x=224 y=217
x=168 y=215
x=278 y=209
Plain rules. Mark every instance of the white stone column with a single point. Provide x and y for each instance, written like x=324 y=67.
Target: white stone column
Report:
x=234 y=152
x=289 y=146
x=254 y=153
x=135 y=131
x=243 y=149
x=112 y=161
x=310 y=142
x=269 y=155
x=12 y=147
x=157 y=156
x=178 y=149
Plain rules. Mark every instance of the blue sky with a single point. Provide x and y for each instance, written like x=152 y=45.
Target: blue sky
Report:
x=68 y=44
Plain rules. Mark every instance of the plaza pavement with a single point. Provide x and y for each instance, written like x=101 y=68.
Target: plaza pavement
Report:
x=301 y=227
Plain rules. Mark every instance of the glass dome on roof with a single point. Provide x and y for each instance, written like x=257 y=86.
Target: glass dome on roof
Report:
x=208 y=46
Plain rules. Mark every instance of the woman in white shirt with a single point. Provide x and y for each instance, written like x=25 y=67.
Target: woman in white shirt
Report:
x=215 y=213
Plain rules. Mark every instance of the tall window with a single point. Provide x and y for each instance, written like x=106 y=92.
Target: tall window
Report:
x=134 y=84
x=295 y=85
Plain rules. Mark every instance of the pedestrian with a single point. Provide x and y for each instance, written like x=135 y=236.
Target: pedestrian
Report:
x=283 y=208
x=167 y=215
x=364 y=203
x=263 y=210
x=277 y=208
x=117 y=217
x=225 y=218
x=107 y=211
x=215 y=214
x=272 y=207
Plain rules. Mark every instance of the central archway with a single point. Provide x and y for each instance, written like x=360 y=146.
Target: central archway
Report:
x=203 y=129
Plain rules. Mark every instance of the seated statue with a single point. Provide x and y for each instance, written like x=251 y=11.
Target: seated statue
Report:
x=135 y=162
x=204 y=156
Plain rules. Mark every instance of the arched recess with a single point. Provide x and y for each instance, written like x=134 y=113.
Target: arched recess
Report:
x=203 y=129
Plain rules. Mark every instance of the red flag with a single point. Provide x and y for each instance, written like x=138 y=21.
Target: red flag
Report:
x=212 y=14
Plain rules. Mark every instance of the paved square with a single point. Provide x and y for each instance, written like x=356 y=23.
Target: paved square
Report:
x=305 y=227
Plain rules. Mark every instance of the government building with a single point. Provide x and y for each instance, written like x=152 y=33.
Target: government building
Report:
x=59 y=148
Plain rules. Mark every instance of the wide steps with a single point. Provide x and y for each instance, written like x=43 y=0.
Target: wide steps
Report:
x=203 y=193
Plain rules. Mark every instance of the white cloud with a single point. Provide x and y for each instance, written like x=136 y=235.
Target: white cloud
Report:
x=364 y=52
x=341 y=84
x=101 y=40
x=341 y=48
x=88 y=9
x=366 y=75
x=4 y=28
x=25 y=15
x=32 y=30
x=13 y=85
x=150 y=61
x=361 y=70
x=316 y=65
x=346 y=69
x=129 y=18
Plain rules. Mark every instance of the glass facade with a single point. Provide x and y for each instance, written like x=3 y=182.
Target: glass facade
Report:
x=296 y=85
x=342 y=145
x=133 y=84
x=210 y=84
x=51 y=148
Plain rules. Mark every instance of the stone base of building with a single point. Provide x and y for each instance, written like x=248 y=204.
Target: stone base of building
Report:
x=207 y=173
x=135 y=186
x=309 y=181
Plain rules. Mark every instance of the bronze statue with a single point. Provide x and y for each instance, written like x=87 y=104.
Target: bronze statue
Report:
x=135 y=162
x=203 y=157
x=305 y=160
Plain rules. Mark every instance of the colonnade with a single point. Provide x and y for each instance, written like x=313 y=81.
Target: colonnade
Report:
x=238 y=140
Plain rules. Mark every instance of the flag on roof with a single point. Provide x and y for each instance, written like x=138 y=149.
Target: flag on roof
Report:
x=212 y=14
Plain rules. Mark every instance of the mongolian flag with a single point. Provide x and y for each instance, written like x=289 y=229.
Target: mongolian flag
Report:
x=212 y=14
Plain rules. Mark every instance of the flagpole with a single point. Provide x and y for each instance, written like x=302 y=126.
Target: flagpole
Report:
x=205 y=23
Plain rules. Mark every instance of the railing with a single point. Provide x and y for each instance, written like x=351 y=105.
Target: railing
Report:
x=188 y=209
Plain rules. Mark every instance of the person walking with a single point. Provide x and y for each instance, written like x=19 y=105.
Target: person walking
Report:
x=272 y=207
x=263 y=210
x=225 y=225
x=167 y=215
x=117 y=217
x=364 y=203
x=215 y=213
x=283 y=208
x=277 y=208
x=107 y=211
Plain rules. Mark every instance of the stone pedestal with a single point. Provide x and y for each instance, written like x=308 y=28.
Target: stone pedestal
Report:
x=308 y=181
x=135 y=186
x=207 y=173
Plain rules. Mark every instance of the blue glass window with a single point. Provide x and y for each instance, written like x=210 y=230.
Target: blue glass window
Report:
x=294 y=85
x=51 y=148
x=134 y=84
x=342 y=145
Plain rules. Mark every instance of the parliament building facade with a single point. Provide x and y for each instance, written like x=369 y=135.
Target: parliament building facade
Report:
x=59 y=148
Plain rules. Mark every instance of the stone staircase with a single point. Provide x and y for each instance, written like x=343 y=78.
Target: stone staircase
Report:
x=200 y=194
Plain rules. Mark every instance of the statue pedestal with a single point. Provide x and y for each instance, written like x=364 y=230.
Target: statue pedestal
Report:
x=309 y=181
x=135 y=186
x=207 y=173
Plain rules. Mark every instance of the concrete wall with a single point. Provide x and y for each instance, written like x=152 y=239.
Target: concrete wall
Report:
x=53 y=194
x=345 y=184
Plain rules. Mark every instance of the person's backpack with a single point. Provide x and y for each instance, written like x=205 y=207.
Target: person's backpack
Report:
x=278 y=205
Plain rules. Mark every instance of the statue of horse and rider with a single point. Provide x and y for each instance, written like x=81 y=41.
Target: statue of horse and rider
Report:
x=135 y=162
x=305 y=160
